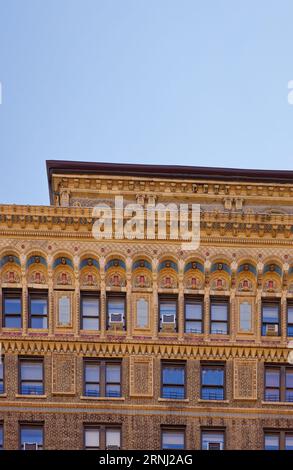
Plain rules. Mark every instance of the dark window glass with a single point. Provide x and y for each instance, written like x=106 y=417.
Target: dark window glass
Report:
x=288 y=441
x=168 y=313
x=38 y=311
x=31 y=437
x=1 y=436
x=272 y=441
x=270 y=318
x=290 y=319
x=102 y=379
x=12 y=308
x=212 y=440
x=279 y=383
x=116 y=310
x=173 y=439
x=90 y=312
x=212 y=382
x=173 y=381
x=193 y=315
x=1 y=375
x=219 y=316
x=278 y=440
x=289 y=385
x=31 y=377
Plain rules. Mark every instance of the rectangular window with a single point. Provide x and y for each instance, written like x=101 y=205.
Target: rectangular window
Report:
x=1 y=436
x=219 y=316
x=142 y=313
x=113 y=438
x=279 y=383
x=31 y=437
x=270 y=318
x=290 y=319
x=116 y=311
x=38 y=310
x=90 y=311
x=102 y=437
x=168 y=313
x=12 y=309
x=173 y=380
x=193 y=315
x=102 y=379
x=31 y=376
x=1 y=375
x=212 y=440
x=278 y=440
x=91 y=438
x=64 y=308
x=245 y=314
x=212 y=382
x=173 y=438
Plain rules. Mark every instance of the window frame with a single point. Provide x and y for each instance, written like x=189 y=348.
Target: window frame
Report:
x=213 y=365
x=213 y=430
x=3 y=379
x=219 y=300
x=38 y=294
x=194 y=300
x=289 y=305
x=90 y=294
x=2 y=429
x=270 y=302
x=12 y=293
x=175 y=429
x=281 y=433
x=282 y=369
x=111 y=295
x=164 y=299
x=102 y=363
x=184 y=387
x=23 y=359
x=103 y=428
x=31 y=424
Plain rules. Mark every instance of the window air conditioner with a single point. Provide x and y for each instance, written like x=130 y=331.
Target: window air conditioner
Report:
x=116 y=318
x=215 y=446
x=272 y=330
x=112 y=447
x=30 y=446
x=168 y=318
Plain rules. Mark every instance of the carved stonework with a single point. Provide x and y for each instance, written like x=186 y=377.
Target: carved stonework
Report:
x=89 y=279
x=168 y=282
x=64 y=279
x=63 y=374
x=219 y=283
x=142 y=280
x=141 y=376
x=116 y=280
x=245 y=379
x=245 y=285
x=37 y=277
x=11 y=277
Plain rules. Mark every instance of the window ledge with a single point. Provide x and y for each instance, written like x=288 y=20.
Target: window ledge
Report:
x=30 y=396
x=3 y=395
x=103 y=398
x=277 y=403
x=201 y=400
x=38 y=330
x=172 y=400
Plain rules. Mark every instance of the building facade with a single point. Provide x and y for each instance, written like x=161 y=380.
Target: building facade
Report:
x=139 y=344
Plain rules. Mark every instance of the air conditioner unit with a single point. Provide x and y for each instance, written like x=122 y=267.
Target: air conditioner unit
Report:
x=112 y=447
x=168 y=318
x=272 y=330
x=215 y=445
x=116 y=318
x=30 y=446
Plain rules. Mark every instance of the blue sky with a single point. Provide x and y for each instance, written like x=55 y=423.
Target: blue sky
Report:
x=147 y=81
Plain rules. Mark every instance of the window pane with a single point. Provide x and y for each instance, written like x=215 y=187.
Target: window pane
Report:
x=113 y=437
x=289 y=379
x=92 y=373
x=116 y=305
x=193 y=327
x=113 y=390
x=212 y=393
x=290 y=314
x=271 y=442
x=1 y=437
x=219 y=328
x=173 y=440
x=173 y=375
x=113 y=373
x=272 y=378
x=12 y=305
x=39 y=322
x=212 y=376
x=31 y=371
x=245 y=316
x=1 y=370
x=272 y=395
x=193 y=311
x=271 y=314
x=289 y=441
x=92 y=438
x=12 y=322
x=175 y=392
x=90 y=323
x=212 y=440
x=142 y=313
x=90 y=307
x=168 y=308
x=92 y=390
x=31 y=435
x=39 y=306
x=219 y=312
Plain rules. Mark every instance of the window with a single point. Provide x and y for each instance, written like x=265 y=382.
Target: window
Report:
x=63 y=300
x=31 y=377
x=1 y=375
x=102 y=379
x=90 y=312
x=12 y=307
x=279 y=383
x=173 y=380
x=212 y=440
x=173 y=438
x=245 y=314
x=168 y=312
x=290 y=319
x=1 y=436
x=213 y=382
x=38 y=310
x=31 y=437
x=116 y=310
x=193 y=315
x=219 y=316
x=142 y=313
x=102 y=437
x=270 y=318
x=278 y=440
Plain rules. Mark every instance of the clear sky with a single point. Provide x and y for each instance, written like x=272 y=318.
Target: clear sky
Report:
x=195 y=82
